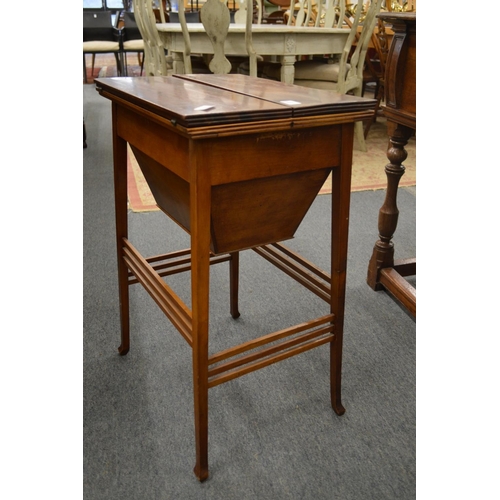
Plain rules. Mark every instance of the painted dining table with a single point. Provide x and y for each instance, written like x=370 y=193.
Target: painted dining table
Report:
x=282 y=41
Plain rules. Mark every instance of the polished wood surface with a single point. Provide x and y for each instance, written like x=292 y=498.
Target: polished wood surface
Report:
x=243 y=182
x=400 y=110
x=299 y=101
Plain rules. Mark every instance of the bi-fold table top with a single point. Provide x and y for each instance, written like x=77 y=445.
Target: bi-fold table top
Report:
x=207 y=99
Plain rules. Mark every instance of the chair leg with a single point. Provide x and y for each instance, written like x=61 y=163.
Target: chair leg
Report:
x=360 y=136
x=378 y=96
x=84 y=69
x=119 y=68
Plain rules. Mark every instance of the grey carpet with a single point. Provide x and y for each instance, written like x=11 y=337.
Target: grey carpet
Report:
x=272 y=433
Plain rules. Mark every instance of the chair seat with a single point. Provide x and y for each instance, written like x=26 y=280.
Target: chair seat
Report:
x=132 y=45
x=316 y=84
x=101 y=46
x=323 y=71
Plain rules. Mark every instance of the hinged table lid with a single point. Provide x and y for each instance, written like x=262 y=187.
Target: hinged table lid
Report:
x=207 y=99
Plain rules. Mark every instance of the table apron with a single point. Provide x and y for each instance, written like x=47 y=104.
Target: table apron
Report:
x=264 y=44
x=234 y=158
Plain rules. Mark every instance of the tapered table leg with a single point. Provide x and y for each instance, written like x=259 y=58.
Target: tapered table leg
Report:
x=200 y=193
x=341 y=187
x=121 y=222
x=234 y=279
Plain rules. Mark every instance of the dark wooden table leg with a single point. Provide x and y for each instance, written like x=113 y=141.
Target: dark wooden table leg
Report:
x=121 y=221
x=383 y=251
x=341 y=187
x=200 y=193
x=234 y=279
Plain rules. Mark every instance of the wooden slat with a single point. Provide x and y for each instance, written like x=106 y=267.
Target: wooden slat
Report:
x=176 y=267
x=187 y=267
x=310 y=282
x=266 y=339
x=257 y=365
x=263 y=353
x=403 y=291
x=308 y=265
x=406 y=267
x=171 y=305
x=171 y=255
x=299 y=265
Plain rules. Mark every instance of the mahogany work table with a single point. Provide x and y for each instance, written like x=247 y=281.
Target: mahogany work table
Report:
x=400 y=110
x=236 y=161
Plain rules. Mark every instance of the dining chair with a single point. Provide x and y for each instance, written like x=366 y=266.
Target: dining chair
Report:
x=131 y=40
x=100 y=37
x=343 y=74
x=215 y=17
x=156 y=61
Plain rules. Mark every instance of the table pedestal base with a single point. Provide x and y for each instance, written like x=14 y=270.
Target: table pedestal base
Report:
x=383 y=271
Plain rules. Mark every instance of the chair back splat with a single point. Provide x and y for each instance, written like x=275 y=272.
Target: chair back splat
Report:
x=216 y=18
x=155 y=62
x=352 y=62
